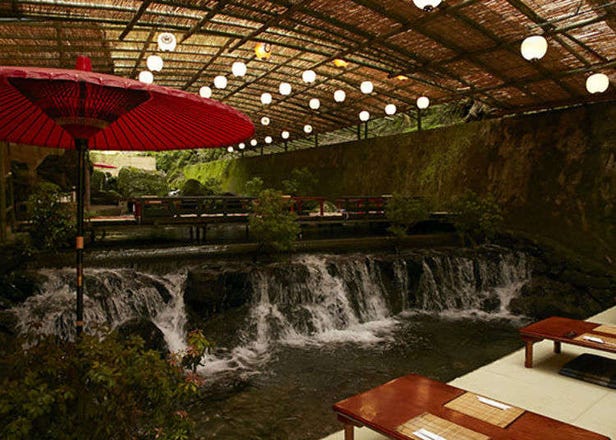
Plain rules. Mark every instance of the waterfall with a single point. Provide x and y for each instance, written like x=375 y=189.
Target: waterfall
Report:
x=112 y=297
x=309 y=300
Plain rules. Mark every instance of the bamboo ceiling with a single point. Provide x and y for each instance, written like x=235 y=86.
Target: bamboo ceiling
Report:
x=462 y=49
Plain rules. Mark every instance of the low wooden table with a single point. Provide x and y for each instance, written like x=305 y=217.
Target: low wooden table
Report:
x=388 y=406
x=561 y=330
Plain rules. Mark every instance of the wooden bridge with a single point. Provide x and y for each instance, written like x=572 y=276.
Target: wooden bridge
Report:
x=199 y=212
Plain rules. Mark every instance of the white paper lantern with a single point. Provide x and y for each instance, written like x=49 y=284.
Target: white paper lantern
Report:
x=285 y=88
x=285 y=135
x=314 y=104
x=423 y=102
x=146 y=77
x=339 y=96
x=534 y=48
x=309 y=76
x=154 y=63
x=220 y=82
x=266 y=98
x=230 y=149
x=366 y=87
x=427 y=5
x=239 y=68
x=364 y=116
x=265 y=120
x=241 y=146
x=390 y=109
x=166 y=42
x=253 y=142
x=205 y=92
x=268 y=139
x=597 y=83
x=307 y=128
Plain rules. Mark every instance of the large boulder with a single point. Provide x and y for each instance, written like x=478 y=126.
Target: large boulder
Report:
x=146 y=330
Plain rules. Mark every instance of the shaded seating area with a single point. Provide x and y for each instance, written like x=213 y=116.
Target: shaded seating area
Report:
x=416 y=407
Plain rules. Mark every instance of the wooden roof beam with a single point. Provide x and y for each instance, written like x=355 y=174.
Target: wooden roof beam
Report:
x=135 y=19
x=207 y=17
x=148 y=41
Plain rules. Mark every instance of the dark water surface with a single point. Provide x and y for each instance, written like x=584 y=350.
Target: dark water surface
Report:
x=292 y=394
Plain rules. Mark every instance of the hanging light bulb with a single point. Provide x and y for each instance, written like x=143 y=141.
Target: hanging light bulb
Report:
x=166 y=42
x=366 y=87
x=423 y=102
x=390 y=109
x=314 y=104
x=340 y=63
x=220 y=82
x=427 y=5
x=238 y=68
x=307 y=128
x=241 y=146
x=285 y=135
x=339 y=96
x=253 y=142
x=265 y=120
x=263 y=51
x=402 y=77
x=597 y=83
x=266 y=98
x=154 y=63
x=146 y=77
x=230 y=149
x=285 y=88
x=205 y=92
x=309 y=76
x=364 y=116
x=268 y=139
x=534 y=48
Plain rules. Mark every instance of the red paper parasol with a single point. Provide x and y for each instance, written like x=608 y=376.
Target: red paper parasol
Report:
x=79 y=109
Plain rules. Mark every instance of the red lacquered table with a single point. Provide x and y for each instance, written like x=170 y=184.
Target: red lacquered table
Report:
x=390 y=405
x=561 y=330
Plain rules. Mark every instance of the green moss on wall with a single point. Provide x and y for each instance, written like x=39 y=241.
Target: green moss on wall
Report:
x=554 y=173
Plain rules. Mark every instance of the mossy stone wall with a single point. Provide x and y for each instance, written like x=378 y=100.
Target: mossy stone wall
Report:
x=553 y=172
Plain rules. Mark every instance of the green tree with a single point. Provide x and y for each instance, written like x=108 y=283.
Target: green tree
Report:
x=301 y=182
x=133 y=182
x=477 y=218
x=92 y=389
x=272 y=223
x=404 y=212
x=52 y=224
x=253 y=187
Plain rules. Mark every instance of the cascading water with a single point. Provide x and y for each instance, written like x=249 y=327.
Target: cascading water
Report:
x=307 y=301
x=113 y=296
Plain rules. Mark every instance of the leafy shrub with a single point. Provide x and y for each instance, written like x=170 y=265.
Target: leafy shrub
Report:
x=133 y=182
x=404 y=211
x=272 y=223
x=97 y=181
x=301 y=182
x=477 y=218
x=52 y=221
x=92 y=389
x=253 y=187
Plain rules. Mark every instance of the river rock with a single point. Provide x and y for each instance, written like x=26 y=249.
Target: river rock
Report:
x=146 y=330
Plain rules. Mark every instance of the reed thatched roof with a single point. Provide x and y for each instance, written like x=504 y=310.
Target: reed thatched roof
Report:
x=462 y=49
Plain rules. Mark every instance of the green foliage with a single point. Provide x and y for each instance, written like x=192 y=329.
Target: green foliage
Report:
x=405 y=211
x=477 y=218
x=133 y=182
x=52 y=221
x=93 y=389
x=97 y=181
x=194 y=188
x=301 y=182
x=253 y=187
x=197 y=346
x=272 y=223
x=172 y=163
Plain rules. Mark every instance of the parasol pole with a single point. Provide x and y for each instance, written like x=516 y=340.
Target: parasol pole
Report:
x=82 y=147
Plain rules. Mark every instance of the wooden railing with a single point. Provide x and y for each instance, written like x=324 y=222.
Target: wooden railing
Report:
x=232 y=208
